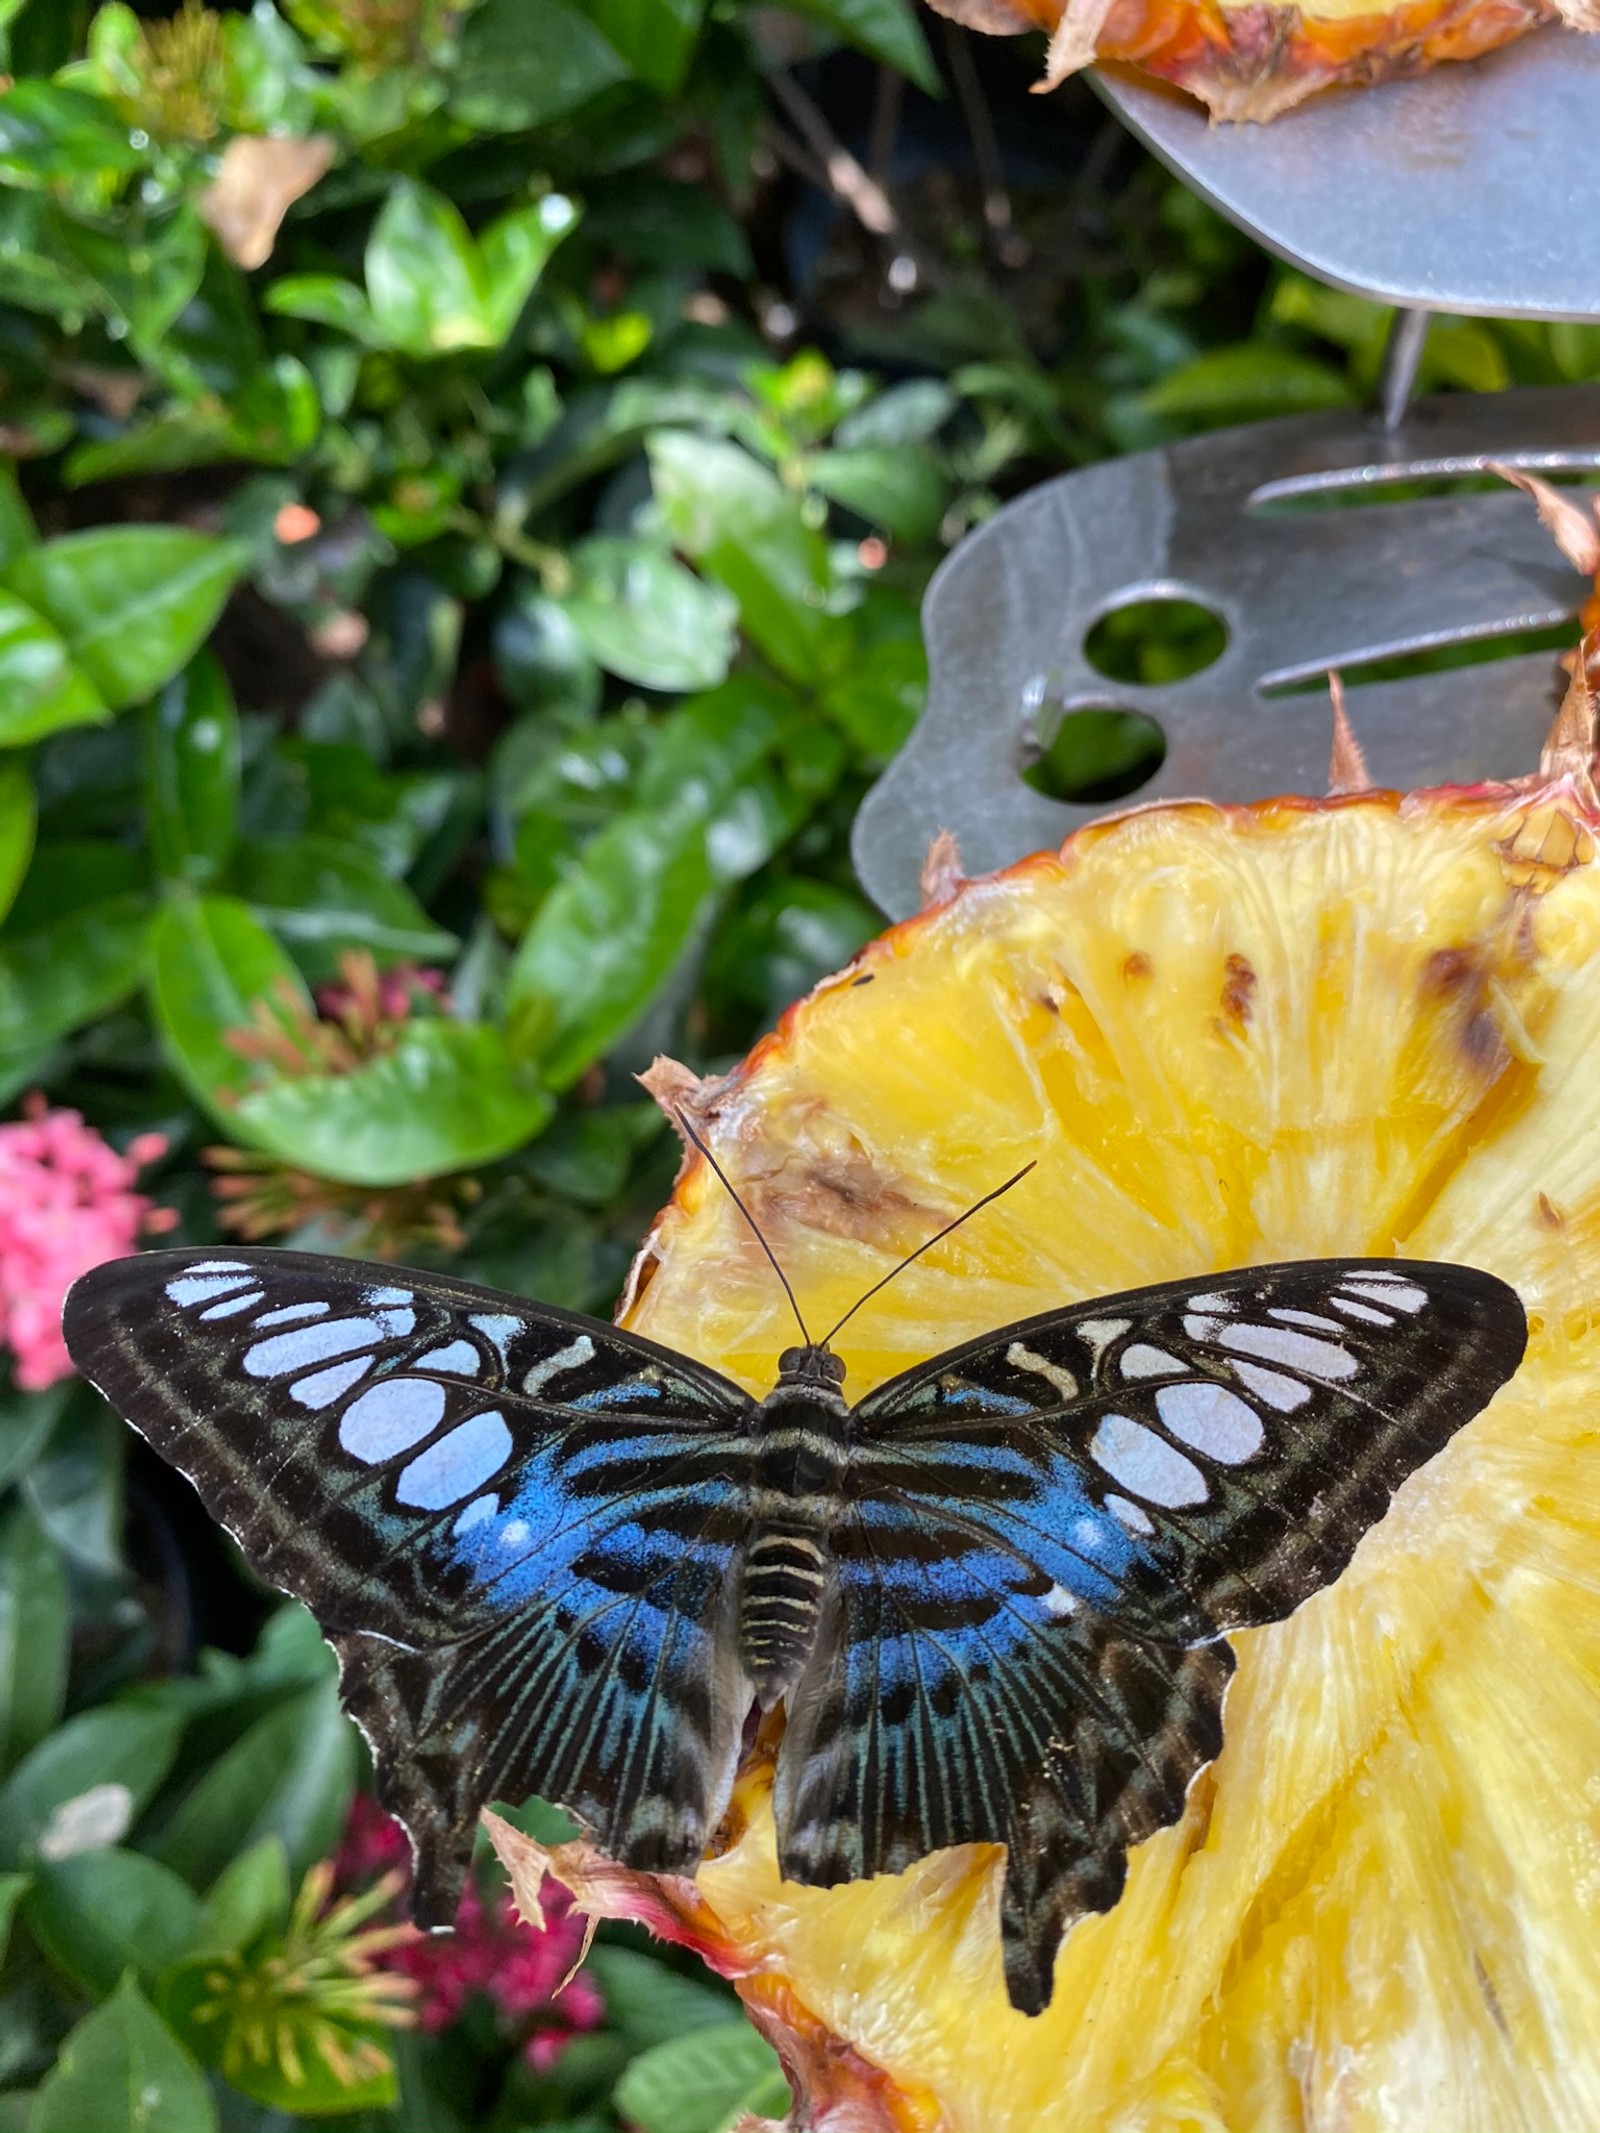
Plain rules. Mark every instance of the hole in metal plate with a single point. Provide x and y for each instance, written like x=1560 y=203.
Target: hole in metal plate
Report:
x=1151 y=641
x=1103 y=753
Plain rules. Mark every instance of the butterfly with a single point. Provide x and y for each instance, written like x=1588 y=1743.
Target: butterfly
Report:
x=993 y=1595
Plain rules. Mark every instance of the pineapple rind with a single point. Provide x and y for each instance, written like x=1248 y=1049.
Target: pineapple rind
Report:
x=1232 y=1035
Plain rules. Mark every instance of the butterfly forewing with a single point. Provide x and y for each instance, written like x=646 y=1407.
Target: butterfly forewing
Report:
x=518 y=1527
x=1051 y=1524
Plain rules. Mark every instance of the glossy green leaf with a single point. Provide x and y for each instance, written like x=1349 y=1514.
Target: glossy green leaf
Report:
x=290 y=1776
x=1245 y=383
x=324 y=300
x=48 y=134
x=249 y=1895
x=191 y=773
x=54 y=980
x=211 y=960
x=42 y=688
x=100 y=1914
x=702 y=2082
x=522 y=66
x=321 y=897
x=643 y=616
x=880 y=697
x=122 y=2071
x=512 y=253
x=13 y=1887
x=899 y=488
x=424 y=281
x=18 y=533
x=655 y=37
x=35 y=1631
x=134 y=603
x=124 y=1746
x=74 y=1488
x=884 y=29
x=732 y=515
x=142 y=277
x=542 y=662
x=652 y=2004
x=27 y=1420
x=18 y=815
x=611 y=929
x=449 y=1096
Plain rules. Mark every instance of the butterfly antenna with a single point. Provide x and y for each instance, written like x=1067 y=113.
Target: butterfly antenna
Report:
x=690 y=1134
x=976 y=1207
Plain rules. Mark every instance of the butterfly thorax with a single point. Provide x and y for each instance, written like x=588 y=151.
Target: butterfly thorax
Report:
x=800 y=1455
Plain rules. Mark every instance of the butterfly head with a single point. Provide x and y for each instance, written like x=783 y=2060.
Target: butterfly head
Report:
x=814 y=1364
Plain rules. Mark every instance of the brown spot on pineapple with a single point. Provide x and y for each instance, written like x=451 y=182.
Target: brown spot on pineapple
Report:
x=1457 y=979
x=1137 y=965
x=1549 y=1215
x=1238 y=991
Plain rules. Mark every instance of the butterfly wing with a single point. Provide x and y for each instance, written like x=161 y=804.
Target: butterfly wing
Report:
x=517 y=1526
x=1052 y=1527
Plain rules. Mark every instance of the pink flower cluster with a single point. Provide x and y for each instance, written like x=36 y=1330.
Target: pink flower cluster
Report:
x=67 y=1204
x=385 y=995
x=516 y=1967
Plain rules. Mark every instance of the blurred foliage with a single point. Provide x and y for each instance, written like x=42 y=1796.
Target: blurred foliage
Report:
x=470 y=475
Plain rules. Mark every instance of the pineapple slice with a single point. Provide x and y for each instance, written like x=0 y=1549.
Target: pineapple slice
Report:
x=1366 y=1024
x=1253 y=59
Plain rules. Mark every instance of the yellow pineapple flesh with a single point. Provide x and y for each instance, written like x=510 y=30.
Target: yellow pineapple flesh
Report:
x=1366 y=1024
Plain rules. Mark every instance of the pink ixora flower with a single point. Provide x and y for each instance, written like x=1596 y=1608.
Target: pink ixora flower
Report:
x=67 y=1203
x=524 y=1973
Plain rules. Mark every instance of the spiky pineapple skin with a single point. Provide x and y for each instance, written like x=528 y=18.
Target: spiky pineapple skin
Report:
x=1364 y=1025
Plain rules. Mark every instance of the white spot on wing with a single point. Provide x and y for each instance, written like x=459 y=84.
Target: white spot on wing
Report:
x=1285 y=1394
x=197 y=1287
x=1306 y=1318
x=462 y=1461
x=1145 y=1464
x=570 y=1357
x=327 y=1385
x=1401 y=1295
x=1140 y=1360
x=1211 y=1420
x=320 y=1343
x=497 y=1327
x=235 y=1304
x=1367 y=1313
x=480 y=1508
x=390 y=1417
x=1058 y=1603
x=291 y=1312
x=1099 y=1333
x=1212 y=1303
x=1129 y=1514
x=459 y=1358
x=1021 y=1358
x=1296 y=1351
x=220 y=1266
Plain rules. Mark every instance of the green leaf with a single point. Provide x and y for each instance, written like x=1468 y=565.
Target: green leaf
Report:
x=651 y=2004
x=898 y=488
x=450 y=1096
x=734 y=516
x=249 y=1895
x=210 y=961
x=655 y=37
x=122 y=2071
x=324 y=300
x=35 y=1634
x=424 y=278
x=702 y=2082
x=103 y=1913
x=27 y=1420
x=290 y=1777
x=49 y=134
x=18 y=816
x=13 y=1887
x=56 y=979
x=42 y=688
x=883 y=29
x=1245 y=383
x=880 y=699
x=134 y=603
x=191 y=773
x=522 y=66
x=513 y=251
x=74 y=1488
x=18 y=533
x=128 y=1746
x=142 y=277
x=321 y=896
x=644 y=617
x=610 y=931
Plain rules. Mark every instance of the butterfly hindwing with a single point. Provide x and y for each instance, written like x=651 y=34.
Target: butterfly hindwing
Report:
x=1051 y=1527
x=518 y=1527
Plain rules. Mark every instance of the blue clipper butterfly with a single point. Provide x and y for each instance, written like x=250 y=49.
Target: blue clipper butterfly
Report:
x=556 y=1558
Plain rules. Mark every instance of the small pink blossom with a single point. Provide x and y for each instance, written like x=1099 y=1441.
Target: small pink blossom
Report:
x=518 y=1968
x=67 y=1203
x=386 y=995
